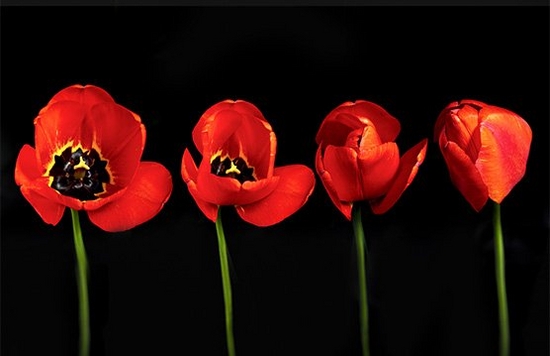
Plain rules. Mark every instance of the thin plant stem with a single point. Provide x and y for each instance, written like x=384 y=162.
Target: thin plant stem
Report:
x=361 y=269
x=82 y=284
x=226 y=282
x=504 y=345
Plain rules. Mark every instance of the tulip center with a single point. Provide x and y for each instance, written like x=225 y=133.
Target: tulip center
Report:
x=79 y=174
x=234 y=168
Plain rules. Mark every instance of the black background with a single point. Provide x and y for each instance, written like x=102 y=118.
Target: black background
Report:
x=156 y=289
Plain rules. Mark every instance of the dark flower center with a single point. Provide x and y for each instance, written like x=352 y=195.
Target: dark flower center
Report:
x=79 y=174
x=234 y=168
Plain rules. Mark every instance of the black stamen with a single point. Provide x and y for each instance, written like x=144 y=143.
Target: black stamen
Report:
x=84 y=182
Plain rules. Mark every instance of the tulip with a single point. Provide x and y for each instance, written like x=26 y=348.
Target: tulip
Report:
x=485 y=148
x=237 y=169
x=358 y=160
x=87 y=157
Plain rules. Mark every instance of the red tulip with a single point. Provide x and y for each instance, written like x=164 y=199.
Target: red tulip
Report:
x=485 y=148
x=237 y=167
x=87 y=157
x=357 y=159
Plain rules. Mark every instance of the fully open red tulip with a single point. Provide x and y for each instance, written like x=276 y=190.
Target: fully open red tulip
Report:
x=87 y=157
x=485 y=148
x=357 y=158
x=237 y=168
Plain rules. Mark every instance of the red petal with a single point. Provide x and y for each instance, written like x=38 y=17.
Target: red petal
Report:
x=296 y=184
x=326 y=179
x=189 y=174
x=377 y=168
x=408 y=167
x=229 y=191
x=88 y=95
x=240 y=106
x=464 y=174
x=62 y=124
x=48 y=203
x=462 y=128
x=341 y=163
x=189 y=170
x=350 y=116
x=120 y=139
x=241 y=135
x=49 y=210
x=144 y=198
x=502 y=160
x=26 y=167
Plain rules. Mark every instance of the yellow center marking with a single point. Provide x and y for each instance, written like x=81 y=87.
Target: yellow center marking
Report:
x=232 y=169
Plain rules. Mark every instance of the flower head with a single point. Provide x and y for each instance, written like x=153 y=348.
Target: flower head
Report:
x=87 y=157
x=485 y=148
x=357 y=158
x=237 y=168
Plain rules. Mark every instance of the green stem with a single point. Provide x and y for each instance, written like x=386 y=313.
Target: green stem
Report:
x=361 y=268
x=82 y=284
x=501 y=284
x=226 y=286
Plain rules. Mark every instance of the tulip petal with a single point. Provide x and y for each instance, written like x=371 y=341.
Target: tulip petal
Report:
x=341 y=163
x=502 y=160
x=26 y=167
x=464 y=174
x=408 y=167
x=144 y=198
x=350 y=116
x=296 y=184
x=189 y=174
x=120 y=138
x=62 y=124
x=229 y=191
x=88 y=95
x=377 y=167
x=326 y=179
x=48 y=209
x=35 y=187
x=240 y=106
x=241 y=135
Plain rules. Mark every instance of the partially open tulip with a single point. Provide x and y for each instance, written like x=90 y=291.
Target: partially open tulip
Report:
x=485 y=148
x=238 y=169
x=357 y=158
x=87 y=157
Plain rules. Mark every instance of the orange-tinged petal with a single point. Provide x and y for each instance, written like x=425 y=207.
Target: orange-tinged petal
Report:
x=62 y=124
x=296 y=184
x=48 y=209
x=377 y=167
x=229 y=191
x=387 y=126
x=241 y=135
x=189 y=173
x=120 y=139
x=326 y=179
x=341 y=163
x=26 y=167
x=506 y=140
x=408 y=168
x=144 y=198
x=353 y=115
x=239 y=106
x=88 y=95
x=189 y=169
x=464 y=174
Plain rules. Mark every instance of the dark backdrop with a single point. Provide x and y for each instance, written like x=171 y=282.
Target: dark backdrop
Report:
x=156 y=289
